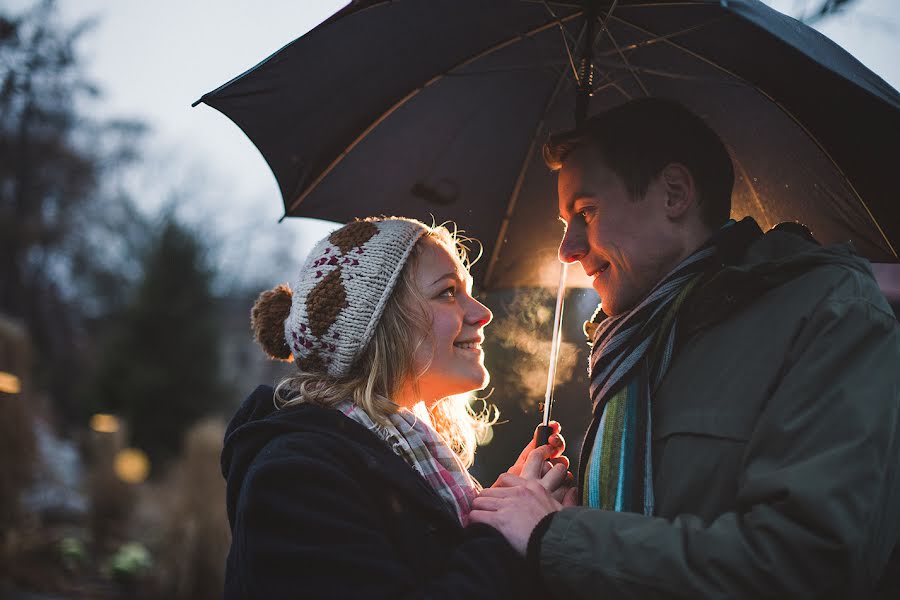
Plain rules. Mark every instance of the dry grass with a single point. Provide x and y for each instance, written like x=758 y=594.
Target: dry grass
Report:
x=18 y=455
x=188 y=507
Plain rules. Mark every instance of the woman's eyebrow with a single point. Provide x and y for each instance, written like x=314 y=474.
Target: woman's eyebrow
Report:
x=447 y=275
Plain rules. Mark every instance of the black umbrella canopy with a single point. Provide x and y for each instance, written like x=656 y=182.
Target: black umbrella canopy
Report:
x=439 y=108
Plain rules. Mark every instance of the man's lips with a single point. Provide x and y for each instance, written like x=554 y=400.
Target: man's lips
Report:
x=600 y=271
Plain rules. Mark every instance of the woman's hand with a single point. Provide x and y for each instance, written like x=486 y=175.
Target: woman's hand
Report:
x=545 y=464
x=556 y=446
x=515 y=504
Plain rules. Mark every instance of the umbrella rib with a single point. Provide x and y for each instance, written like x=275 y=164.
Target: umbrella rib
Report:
x=554 y=66
x=557 y=20
x=788 y=113
x=520 y=180
x=670 y=75
x=566 y=39
x=621 y=90
x=609 y=35
x=614 y=83
x=412 y=94
x=662 y=38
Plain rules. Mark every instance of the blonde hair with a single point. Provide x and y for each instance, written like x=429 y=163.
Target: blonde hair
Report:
x=386 y=365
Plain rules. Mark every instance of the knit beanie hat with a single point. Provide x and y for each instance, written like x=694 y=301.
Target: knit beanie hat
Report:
x=339 y=295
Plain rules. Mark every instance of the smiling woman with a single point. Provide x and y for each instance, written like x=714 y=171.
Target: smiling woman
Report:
x=450 y=360
x=349 y=479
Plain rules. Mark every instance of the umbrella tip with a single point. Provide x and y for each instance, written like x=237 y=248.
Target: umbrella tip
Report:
x=197 y=101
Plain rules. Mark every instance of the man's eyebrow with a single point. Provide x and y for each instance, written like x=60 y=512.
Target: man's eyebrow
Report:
x=580 y=196
x=569 y=203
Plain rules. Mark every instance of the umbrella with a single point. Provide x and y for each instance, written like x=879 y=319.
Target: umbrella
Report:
x=439 y=107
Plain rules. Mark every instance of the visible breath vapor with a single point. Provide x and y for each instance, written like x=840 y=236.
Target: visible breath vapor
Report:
x=519 y=353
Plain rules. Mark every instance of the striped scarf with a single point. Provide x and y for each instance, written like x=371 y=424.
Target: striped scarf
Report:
x=414 y=440
x=629 y=357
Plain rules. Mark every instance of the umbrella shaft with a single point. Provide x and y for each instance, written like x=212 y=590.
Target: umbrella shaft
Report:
x=555 y=341
x=586 y=67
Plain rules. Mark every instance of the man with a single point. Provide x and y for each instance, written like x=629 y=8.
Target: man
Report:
x=745 y=439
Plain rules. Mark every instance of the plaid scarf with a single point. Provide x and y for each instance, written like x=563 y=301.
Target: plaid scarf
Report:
x=413 y=439
x=629 y=357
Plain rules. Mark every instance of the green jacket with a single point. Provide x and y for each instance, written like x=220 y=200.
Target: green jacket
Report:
x=776 y=446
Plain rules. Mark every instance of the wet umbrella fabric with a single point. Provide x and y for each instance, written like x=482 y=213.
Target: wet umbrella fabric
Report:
x=439 y=107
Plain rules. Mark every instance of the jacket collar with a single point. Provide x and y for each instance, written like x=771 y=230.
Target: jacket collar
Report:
x=257 y=422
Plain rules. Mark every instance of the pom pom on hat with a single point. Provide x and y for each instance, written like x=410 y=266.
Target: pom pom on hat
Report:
x=267 y=318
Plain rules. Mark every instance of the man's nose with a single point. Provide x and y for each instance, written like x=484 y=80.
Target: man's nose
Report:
x=573 y=246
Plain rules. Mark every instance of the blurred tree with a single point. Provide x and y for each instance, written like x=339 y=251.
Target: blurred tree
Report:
x=160 y=365
x=65 y=238
x=825 y=8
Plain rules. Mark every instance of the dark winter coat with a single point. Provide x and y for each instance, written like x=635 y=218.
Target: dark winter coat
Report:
x=320 y=507
x=776 y=446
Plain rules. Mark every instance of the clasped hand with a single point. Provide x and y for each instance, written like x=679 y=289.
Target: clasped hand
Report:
x=538 y=484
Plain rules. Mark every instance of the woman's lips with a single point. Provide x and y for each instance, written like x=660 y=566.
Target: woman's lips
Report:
x=468 y=345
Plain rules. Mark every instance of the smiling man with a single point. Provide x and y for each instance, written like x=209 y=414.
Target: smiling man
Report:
x=745 y=388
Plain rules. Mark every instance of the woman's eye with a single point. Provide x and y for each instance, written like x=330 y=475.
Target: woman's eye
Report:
x=450 y=292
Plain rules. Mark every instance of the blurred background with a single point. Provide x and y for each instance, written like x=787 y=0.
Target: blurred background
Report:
x=135 y=233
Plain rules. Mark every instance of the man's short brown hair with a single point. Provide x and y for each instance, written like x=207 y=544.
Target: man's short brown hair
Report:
x=639 y=138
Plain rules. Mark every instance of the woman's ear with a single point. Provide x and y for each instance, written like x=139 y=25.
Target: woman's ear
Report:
x=680 y=190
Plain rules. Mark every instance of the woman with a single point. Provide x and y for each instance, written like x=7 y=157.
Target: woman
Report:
x=349 y=479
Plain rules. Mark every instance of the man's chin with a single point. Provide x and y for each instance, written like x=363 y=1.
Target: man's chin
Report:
x=602 y=292
x=611 y=306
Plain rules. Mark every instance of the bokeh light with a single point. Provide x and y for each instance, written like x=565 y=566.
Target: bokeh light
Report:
x=9 y=383
x=104 y=423
x=131 y=465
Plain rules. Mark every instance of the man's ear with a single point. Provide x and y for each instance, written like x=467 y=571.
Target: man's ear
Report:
x=680 y=190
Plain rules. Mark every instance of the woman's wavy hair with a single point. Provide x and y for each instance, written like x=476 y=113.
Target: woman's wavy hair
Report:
x=387 y=362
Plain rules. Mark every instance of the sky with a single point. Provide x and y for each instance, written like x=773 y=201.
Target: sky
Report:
x=153 y=59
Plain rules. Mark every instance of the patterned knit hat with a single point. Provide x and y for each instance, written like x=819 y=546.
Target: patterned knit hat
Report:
x=342 y=290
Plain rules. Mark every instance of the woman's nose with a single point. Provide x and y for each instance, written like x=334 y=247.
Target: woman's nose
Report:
x=479 y=314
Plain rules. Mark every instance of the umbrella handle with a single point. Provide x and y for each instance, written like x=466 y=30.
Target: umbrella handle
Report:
x=542 y=435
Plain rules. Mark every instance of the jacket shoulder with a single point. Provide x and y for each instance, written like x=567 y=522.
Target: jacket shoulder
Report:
x=321 y=435
x=832 y=285
x=833 y=273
